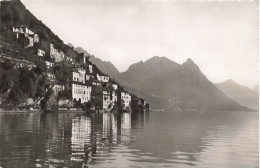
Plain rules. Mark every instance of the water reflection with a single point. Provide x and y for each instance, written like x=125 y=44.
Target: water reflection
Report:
x=125 y=127
x=89 y=141
x=80 y=138
x=139 y=140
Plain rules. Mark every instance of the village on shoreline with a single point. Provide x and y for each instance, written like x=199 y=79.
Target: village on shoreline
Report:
x=72 y=82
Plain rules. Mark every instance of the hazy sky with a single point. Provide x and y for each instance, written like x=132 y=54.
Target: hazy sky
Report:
x=220 y=37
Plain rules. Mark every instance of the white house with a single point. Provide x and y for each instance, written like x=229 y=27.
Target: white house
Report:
x=33 y=38
x=49 y=64
x=126 y=99
x=114 y=97
x=58 y=56
x=81 y=92
x=79 y=75
x=104 y=78
x=96 y=83
x=36 y=38
x=40 y=53
x=90 y=68
x=106 y=99
x=115 y=86
x=58 y=88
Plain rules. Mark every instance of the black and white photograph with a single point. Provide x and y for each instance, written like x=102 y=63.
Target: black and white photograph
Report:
x=129 y=83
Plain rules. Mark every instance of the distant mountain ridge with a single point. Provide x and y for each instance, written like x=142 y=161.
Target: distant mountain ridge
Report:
x=256 y=89
x=167 y=84
x=241 y=94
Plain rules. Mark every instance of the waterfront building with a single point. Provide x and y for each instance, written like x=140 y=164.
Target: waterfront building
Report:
x=125 y=100
x=114 y=97
x=102 y=97
x=81 y=92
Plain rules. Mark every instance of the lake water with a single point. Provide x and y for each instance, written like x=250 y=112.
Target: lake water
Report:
x=154 y=139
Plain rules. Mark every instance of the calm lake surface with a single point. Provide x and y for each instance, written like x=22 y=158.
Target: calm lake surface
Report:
x=154 y=139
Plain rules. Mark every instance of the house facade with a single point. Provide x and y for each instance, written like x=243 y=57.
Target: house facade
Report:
x=79 y=75
x=58 y=88
x=126 y=100
x=58 y=56
x=102 y=97
x=114 y=97
x=81 y=92
x=26 y=34
x=104 y=78
x=90 y=68
x=106 y=99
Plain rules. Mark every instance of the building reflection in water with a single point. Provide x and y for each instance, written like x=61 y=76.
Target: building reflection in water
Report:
x=61 y=139
x=80 y=138
x=110 y=131
x=106 y=125
x=92 y=136
x=125 y=127
x=114 y=128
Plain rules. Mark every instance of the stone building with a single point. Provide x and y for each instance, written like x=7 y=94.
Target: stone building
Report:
x=55 y=54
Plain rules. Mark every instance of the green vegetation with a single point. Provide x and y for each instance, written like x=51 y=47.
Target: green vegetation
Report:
x=21 y=83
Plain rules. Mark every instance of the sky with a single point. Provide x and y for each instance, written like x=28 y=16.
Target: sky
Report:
x=221 y=37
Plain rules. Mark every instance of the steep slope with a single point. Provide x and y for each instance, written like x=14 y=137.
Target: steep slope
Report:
x=105 y=66
x=26 y=75
x=167 y=84
x=81 y=50
x=256 y=89
x=241 y=94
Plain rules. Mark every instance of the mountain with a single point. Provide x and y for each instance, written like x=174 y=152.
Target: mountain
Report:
x=169 y=85
x=161 y=81
x=105 y=66
x=36 y=66
x=243 y=95
x=256 y=89
x=81 y=50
